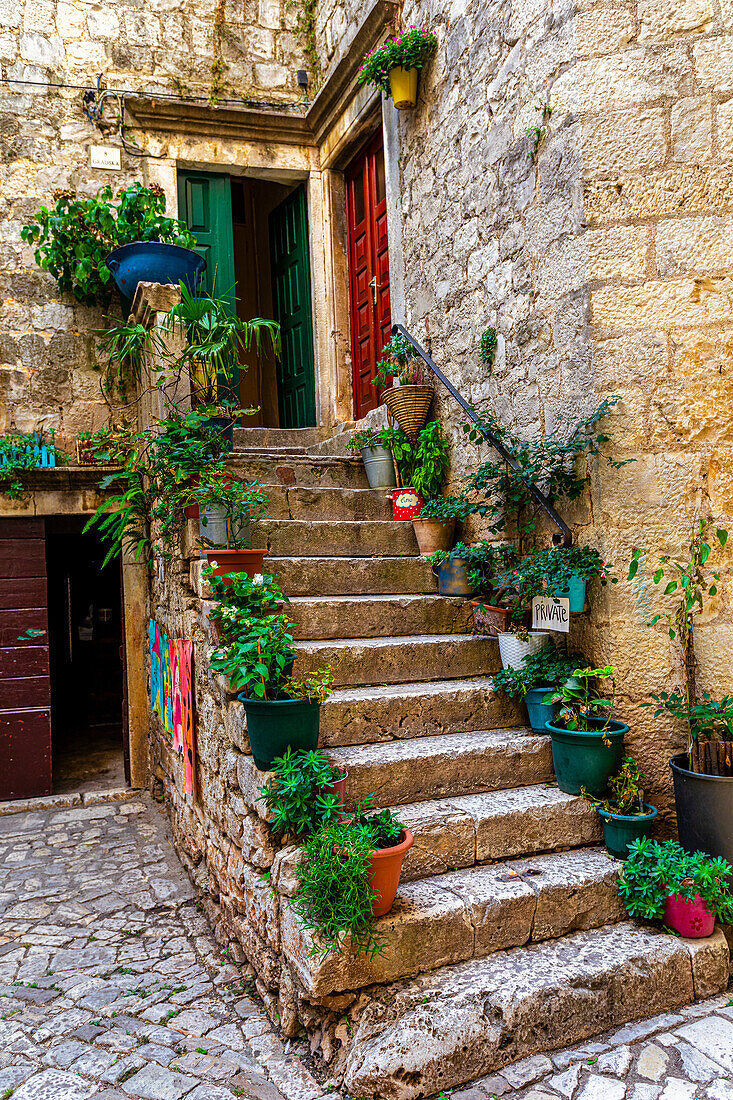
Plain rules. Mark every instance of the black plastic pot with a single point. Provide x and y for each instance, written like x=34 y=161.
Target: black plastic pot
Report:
x=704 y=805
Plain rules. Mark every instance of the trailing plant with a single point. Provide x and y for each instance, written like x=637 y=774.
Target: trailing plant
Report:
x=543 y=669
x=297 y=795
x=314 y=688
x=549 y=461
x=411 y=49
x=657 y=870
x=486 y=562
x=22 y=451
x=335 y=897
x=243 y=599
x=626 y=795
x=553 y=570
x=488 y=345
x=305 y=25
x=244 y=503
x=538 y=132
x=446 y=509
x=402 y=362
x=688 y=579
x=582 y=706
x=73 y=238
x=423 y=464
x=126 y=346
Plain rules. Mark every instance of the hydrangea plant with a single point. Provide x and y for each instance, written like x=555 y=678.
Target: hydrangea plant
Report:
x=411 y=49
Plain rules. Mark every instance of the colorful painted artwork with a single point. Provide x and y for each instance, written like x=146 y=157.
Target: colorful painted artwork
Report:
x=171 y=694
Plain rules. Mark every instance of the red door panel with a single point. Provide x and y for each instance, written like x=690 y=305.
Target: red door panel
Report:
x=368 y=271
x=25 y=683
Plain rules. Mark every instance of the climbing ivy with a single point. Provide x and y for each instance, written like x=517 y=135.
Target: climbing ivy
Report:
x=306 y=27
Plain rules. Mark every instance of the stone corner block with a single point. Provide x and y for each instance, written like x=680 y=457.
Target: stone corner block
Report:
x=710 y=961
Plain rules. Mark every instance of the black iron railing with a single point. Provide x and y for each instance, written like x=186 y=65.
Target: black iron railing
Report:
x=565 y=535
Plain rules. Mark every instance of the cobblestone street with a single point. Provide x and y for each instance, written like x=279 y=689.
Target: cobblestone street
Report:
x=110 y=982
x=113 y=987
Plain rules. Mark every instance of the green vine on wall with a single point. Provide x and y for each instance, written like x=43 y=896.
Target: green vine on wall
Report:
x=488 y=346
x=218 y=67
x=537 y=133
x=305 y=25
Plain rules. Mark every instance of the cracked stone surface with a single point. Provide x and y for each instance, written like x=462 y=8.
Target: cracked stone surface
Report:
x=111 y=984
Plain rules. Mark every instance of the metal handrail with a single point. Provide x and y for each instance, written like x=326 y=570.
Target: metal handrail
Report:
x=565 y=537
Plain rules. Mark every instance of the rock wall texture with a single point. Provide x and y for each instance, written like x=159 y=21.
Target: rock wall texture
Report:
x=49 y=52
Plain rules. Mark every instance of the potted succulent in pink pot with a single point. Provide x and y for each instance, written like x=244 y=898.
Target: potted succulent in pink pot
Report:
x=687 y=891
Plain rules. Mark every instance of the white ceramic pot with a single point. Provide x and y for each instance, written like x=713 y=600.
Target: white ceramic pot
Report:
x=514 y=649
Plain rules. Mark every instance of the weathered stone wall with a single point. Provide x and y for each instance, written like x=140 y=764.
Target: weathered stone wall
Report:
x=48 y=358
x=605 y=266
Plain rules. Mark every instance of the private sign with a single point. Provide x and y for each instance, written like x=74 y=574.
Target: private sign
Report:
x=551 y=613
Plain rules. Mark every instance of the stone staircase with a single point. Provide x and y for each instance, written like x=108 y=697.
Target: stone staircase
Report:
x=507 y=936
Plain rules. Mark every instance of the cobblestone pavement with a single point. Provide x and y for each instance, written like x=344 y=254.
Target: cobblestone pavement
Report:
x=111 y=984
x=685 y=1056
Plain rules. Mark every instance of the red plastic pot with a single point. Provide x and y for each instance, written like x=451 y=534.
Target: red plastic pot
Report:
x=692 y=919
x=406 y=503
x=385 y=868
x=225 y=562
x=338 y=788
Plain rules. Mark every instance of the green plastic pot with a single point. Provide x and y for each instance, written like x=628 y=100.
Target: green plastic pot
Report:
x=619 y=830
x=540 y=713
x=583 y=760
x=275 y=725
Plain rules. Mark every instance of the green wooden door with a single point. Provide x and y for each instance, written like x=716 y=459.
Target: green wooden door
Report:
x=291 y=294
x=205 y=205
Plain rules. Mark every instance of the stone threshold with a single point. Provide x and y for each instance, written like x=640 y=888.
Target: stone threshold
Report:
x=67 y=801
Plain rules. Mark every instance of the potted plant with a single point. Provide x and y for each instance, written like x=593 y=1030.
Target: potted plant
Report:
x=703 y=773
x=21 y=451
x=306 y=790
x=394 y=66
x=687 y=891
x=538 y=675
x=587 y=743
x=105 y=447
x=376 y=453
x=564 y=572
x=74 y=238
x=625 y=815
x=239 y=598
x=348 y=874
x=421 y=469
x=435 y=526
x=227 y=509
x=410 y=395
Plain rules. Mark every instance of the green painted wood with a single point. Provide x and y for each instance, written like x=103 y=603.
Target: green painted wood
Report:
x=291 y=293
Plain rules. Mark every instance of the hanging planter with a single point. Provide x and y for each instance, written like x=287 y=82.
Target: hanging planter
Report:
x=575 y=593
x=393 y=67
x=154 y=262
x=409 y=405
x=452 y=577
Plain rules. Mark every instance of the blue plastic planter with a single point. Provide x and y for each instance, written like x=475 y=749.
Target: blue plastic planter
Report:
x=575 y=593
x=154 y=262
x=539 y=712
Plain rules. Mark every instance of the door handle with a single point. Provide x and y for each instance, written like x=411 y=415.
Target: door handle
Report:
x=373 y=285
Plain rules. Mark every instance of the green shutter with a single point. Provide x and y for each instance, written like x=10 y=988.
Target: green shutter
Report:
x=291 y=294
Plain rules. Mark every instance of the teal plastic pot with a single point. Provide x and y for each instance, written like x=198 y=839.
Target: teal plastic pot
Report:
x=583 y=760
x=540 y=713
x=275 y=725
x=575 y=592
x=619 y=830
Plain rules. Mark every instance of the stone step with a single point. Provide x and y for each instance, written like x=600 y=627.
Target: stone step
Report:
x=393 y=660
x=296 y=469
x=305 y=576
x=266 y=438
x=464 y=915
x=395 y=712
x=338 y=537
x=430 y=1034
x=449 y=765
x=314 y=503
x=376 y=616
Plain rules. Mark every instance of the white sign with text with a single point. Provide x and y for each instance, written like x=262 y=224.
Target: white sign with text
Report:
x=551 y=613
x=105 y=156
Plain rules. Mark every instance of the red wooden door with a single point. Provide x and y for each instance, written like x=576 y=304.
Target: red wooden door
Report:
x=25 y=683
x=371 y=321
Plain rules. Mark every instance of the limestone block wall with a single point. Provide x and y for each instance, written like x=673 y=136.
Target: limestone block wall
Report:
x=213 y=48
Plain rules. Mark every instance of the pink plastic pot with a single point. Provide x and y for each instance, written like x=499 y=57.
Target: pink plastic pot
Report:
x=692 y=919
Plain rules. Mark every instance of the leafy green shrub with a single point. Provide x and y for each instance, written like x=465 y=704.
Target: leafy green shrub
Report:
x=626 y=795
x=75 y=236
x=553 y=570
x=411 y=49
x=243 y=599
x=259 y=659
x=446 y=508
x=655 y=870
x=582 y=707
x=545 y=668
x=295 y=795
x=424 y=464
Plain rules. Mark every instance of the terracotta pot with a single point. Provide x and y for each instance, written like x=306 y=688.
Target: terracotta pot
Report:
x=433 y=534
x=489 y=620
x=385 y=868
x=406 y=503
x=338 y=788
x=235 y=561
x=692 y=919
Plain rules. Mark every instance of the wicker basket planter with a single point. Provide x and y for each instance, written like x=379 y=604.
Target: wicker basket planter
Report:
x=409 y=405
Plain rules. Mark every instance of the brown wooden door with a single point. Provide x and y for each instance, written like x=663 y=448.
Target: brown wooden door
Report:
x=25 y=682
x=368 y=271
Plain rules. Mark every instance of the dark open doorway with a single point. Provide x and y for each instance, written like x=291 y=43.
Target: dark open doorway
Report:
x=86 y=660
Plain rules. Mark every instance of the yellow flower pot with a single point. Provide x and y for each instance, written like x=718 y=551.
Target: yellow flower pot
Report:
x=403 y=86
